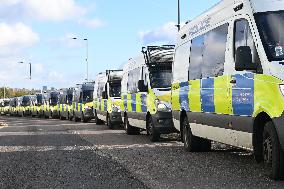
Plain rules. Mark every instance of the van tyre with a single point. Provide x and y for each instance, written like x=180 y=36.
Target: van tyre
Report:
x=109 y=123
x=130 y=130
x=193 y=143
x=152 y=131
x=84 y=119
x=69 y=117
x=273 y=154
x=76 y=119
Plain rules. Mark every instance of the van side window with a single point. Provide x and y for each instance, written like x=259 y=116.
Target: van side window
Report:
x=101 y=86
x=207 y=55
x=196 y=58
x=132 y=82
x=243 y=37
x=214 y=52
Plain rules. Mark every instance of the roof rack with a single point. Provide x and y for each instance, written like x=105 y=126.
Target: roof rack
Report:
x=158 y=54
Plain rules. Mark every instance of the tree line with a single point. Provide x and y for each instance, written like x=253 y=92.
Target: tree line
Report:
x=10 y=93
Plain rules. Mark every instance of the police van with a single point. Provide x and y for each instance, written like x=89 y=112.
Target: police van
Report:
x=16 y=105
x=44 y=106
x=5 y=106
x=228 y=77
x=1 y=106
x=37 y=102
x=83 y=102
x=11 y=108
x=25 y=106
x=107 y=98
x=65 y=104
x=146 y=92
x=51 y=105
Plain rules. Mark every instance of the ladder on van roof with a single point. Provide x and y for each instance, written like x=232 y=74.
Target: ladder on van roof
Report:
x=158 y=54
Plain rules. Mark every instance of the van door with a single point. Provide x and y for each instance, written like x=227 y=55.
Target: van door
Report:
x=243 y=83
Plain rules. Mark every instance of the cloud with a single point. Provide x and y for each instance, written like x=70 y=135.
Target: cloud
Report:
x=16 y=37
x=46 y=10
x=66 y=41
x=92 y=23
x=166 y=33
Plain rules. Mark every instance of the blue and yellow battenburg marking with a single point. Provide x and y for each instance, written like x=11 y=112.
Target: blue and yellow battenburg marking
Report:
x=142 y=102
x=249 y=95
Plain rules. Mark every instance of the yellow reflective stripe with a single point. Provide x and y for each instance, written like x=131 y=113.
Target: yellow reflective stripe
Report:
x=138 y=103
x=223 y=97
x=175 y=96
x=151 y=98
x=194 y=96
x=129 y=103
x=267 y=96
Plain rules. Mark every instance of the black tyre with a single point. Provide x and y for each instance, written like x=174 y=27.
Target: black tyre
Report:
x=69 y=117
x=76 y=119
x=152 y=131
x=273 y=155
x=84 y=119
x=109 y=123
x=130 y=130
x=191 y=142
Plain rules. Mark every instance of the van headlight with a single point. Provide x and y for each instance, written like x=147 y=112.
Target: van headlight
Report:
x=115 y=108
x=281 y=87
x=88 y=107
x=163 y=106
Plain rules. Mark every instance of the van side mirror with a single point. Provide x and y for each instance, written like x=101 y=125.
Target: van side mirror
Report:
x=142 y=87
x=104 y=95
x=244 y=59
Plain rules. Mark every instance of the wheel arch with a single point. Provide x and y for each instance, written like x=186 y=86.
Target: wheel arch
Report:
x=182 y=117
x=257 y=139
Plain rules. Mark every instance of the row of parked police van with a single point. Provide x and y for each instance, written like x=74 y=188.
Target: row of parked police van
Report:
x=222 y=81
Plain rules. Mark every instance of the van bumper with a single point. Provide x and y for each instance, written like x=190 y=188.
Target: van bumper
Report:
x=163 y=122
x=115 y=118
x=279 y=124
x=89 y=114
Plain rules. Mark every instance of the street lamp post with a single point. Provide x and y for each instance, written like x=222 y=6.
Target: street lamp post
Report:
x=87 y=55
x=178 y=25
x=30 y=69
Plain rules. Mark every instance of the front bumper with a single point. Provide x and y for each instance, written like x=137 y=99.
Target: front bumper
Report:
x=55 y=113
x=27 y=112
x=163 y=122
x=89 y=114
x=115 y=118
x=279 y=124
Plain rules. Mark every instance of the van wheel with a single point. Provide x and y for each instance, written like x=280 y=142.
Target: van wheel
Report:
x=69 y=117
x=191 y=142
x=152 y=131
x=273 y=155
x=84 y=120
x=76 y=119
x=109 y=124
x=130 y=130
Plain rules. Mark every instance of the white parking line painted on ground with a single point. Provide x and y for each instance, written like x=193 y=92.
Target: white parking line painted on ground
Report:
x=8 y=149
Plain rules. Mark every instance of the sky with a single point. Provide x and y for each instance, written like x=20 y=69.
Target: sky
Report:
x=41 y=32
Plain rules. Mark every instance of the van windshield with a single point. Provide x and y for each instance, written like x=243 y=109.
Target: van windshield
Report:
x=115 y=90
x=70 y=98
x=88 y=96
x=160 y=78
x=271 y=29
x=54 y=99
x=39 y=99
x=26 y=101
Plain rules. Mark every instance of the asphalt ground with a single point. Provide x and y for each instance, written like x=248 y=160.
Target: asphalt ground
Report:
x=42 y=153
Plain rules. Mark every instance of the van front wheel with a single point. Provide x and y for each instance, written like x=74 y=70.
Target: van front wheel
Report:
x=191 y=142
x=273 y=155
x=109 y=123
x=130 y=130
x=152 y=131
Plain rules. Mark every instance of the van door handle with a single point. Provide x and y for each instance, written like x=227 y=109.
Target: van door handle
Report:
x=233 y=81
